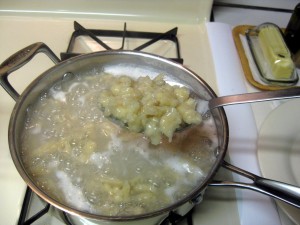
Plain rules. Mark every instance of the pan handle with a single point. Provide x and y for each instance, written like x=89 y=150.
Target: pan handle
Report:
x=279 y=190
x=18 y=60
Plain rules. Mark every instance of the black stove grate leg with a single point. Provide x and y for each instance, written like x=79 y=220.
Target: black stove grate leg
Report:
x=25 y=208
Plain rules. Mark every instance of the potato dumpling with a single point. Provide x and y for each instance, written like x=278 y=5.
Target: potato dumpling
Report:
x=150 y=106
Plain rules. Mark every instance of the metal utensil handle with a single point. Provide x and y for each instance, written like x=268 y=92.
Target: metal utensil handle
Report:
x=18 y=60
x=255 y=97
x=279 y=190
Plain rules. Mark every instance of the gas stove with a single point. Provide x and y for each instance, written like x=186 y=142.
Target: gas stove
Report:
x=187 y=36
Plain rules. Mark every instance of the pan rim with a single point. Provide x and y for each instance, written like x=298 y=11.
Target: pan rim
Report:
x=17 y=159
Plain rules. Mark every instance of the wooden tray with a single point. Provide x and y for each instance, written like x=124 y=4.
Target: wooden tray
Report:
x=237 y=32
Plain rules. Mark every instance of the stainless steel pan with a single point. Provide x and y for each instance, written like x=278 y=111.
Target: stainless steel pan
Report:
x=135 y=63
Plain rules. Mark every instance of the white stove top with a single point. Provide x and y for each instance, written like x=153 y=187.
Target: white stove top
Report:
x=205 y=49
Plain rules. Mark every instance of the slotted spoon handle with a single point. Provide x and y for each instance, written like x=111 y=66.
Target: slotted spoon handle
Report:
x=254 y=97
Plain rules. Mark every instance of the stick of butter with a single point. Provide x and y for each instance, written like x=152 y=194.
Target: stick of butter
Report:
x=275 y=52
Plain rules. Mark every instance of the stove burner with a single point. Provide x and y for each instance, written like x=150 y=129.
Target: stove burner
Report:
x=94 y=34
x=172 y=219
x=175 y=218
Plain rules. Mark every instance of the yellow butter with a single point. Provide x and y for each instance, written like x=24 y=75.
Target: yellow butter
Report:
x=275 y=52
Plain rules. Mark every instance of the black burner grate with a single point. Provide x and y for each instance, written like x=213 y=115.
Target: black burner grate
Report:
x=152 y=38
x=172 y=219
x=23 y=220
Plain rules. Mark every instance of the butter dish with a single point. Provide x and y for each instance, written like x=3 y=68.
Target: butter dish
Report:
x=271 y=55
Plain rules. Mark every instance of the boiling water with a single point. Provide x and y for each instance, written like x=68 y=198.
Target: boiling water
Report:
x=83 y=160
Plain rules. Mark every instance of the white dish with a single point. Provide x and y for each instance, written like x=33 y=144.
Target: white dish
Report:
x=279 y=149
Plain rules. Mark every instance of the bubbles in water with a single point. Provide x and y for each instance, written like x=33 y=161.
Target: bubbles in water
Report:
x=72 y=150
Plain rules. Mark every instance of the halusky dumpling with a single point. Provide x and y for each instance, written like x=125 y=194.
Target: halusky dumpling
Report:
x=150 y=106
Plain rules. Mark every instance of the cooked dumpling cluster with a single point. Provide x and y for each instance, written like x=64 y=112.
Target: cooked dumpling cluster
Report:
x=150 y=106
